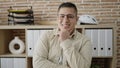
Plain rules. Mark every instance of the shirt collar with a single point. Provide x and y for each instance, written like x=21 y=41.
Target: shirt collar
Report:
x=71 y=36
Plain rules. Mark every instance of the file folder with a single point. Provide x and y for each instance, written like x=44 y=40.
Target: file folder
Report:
x=95 y=42
x=7 y=63
x=30 y=42
x=19 y=63
x=109 y=42
x=101 y=42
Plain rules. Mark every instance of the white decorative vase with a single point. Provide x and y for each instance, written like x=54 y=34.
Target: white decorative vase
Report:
x=20 y=43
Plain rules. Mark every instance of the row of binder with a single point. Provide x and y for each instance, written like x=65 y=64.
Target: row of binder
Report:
x=13 y=63
x=32 y=38
x=102 y=41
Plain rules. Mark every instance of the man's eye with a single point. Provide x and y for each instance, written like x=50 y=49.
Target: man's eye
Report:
x=62 y=16
x=70 y=16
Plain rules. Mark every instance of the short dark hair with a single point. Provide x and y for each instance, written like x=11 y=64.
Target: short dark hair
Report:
x=69 y=5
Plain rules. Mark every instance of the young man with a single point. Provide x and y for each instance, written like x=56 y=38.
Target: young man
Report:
x=63 y=47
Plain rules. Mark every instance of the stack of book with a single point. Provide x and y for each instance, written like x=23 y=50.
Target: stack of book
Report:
x=20 y=16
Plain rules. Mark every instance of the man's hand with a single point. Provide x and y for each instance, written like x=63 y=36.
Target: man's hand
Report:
x=64 y=34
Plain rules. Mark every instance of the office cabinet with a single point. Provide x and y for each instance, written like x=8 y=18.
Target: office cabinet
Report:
x=102 y=37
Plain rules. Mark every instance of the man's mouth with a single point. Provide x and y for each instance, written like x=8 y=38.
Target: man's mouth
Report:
x=66 y=25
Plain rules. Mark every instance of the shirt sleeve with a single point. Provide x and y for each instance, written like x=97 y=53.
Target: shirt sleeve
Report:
x=77 y=59
x=41 y=52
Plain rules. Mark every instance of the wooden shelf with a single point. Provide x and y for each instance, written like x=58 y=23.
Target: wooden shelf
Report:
x=13 y=55
x=103 y=57
x=53 y=26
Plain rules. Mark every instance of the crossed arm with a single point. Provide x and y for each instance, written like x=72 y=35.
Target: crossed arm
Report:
x=75 y=59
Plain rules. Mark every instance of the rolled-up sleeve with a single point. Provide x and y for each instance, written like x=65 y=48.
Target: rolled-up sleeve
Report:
x=41 y=52
x=77 y=59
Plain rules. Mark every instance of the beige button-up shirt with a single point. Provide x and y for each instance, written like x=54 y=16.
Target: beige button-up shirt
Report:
x=75 y=52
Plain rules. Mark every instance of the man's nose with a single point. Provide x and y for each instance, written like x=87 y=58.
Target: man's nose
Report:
x=65 y=19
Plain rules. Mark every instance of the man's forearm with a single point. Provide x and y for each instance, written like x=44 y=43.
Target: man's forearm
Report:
x=75 y=58
x=39 y=62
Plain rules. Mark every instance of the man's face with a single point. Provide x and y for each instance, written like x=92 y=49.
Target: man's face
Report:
x=67 y=19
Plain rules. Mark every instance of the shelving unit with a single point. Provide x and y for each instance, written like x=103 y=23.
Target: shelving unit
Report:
x=7 y=33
